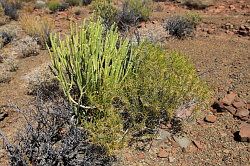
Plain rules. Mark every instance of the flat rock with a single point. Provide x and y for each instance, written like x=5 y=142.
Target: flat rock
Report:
x=229 y=98
x=231 y=109
x=197 y=144
x=239 y=104
x=162 y=153
x=183 y=142
x=242 y=112
x=210 y=118
x=163 y=135
x=171 y=159
x=245 y=132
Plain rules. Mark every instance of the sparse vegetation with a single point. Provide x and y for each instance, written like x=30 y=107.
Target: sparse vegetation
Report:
x=118 y=88
x=52 y=138
x=54 y=5
x=198 y=4
x=194 y=18
x=131 y=14
x=11 y=8
x=180 y=26
x=106 y=10
x=5 y=38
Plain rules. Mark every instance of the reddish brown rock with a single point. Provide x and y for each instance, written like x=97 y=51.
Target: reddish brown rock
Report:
x=210 y=118
x=162 y=153
x=128 y=157
x=239 y=104
x=231 y=109
x=229 y=98
x=245 y=132
x=242 y=112
x=141 y=156
x=232 y=7
x=197 y=144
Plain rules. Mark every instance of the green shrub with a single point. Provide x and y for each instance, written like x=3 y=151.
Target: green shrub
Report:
x=54 y=5
x=106 y=10
x=73 y=2
x=161 y=83
x=119 y=89
x=141 y=8
x=93 y=63
x=194 y=18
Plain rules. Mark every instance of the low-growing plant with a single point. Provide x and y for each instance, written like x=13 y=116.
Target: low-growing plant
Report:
x=51 y=138
x=38 y=27
x=11 y=8
x=94 y=63
x=198 y=4
x=54 y=5
x=179 y=26
x=161 y=83
x=106 y=10
x=140 y=8
x=5 y=38
x=194 y=18
x=120 y=89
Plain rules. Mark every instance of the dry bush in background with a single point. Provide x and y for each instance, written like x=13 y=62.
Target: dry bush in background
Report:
x=38 y=27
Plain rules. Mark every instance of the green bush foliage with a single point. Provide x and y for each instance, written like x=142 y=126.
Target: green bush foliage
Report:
x=106 y=10
x=132 y=12
x=54 y=5
x=118 y=88
x=141 y=8
x=194 y=18
x=93 y=63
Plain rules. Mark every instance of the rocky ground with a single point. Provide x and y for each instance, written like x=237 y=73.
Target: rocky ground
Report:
x=220 y=50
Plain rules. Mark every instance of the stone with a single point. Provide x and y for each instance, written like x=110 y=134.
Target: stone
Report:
x=183 y=142
x=232 y=7
x=231 y=109
x=129 y=157
x=141 y=156
x=239 y=104
x=229 y=98
x=162 y=153
x=197 y=144
x=163 y=135
x=171 y=159
x=245 y=132
x=242 y=112
x=210 y=118
x=40 y=4
x=242 y=27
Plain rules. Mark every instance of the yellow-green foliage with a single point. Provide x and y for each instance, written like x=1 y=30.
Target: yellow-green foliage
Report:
x=142 y=8
x=194 y=18
x=106 y=10
x=161 y=83
x=91 y=59
x=54 y=5
x=93 y=63
x=105 y=78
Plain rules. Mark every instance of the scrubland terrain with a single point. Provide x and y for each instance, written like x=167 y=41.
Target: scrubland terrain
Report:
x=125 y=82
